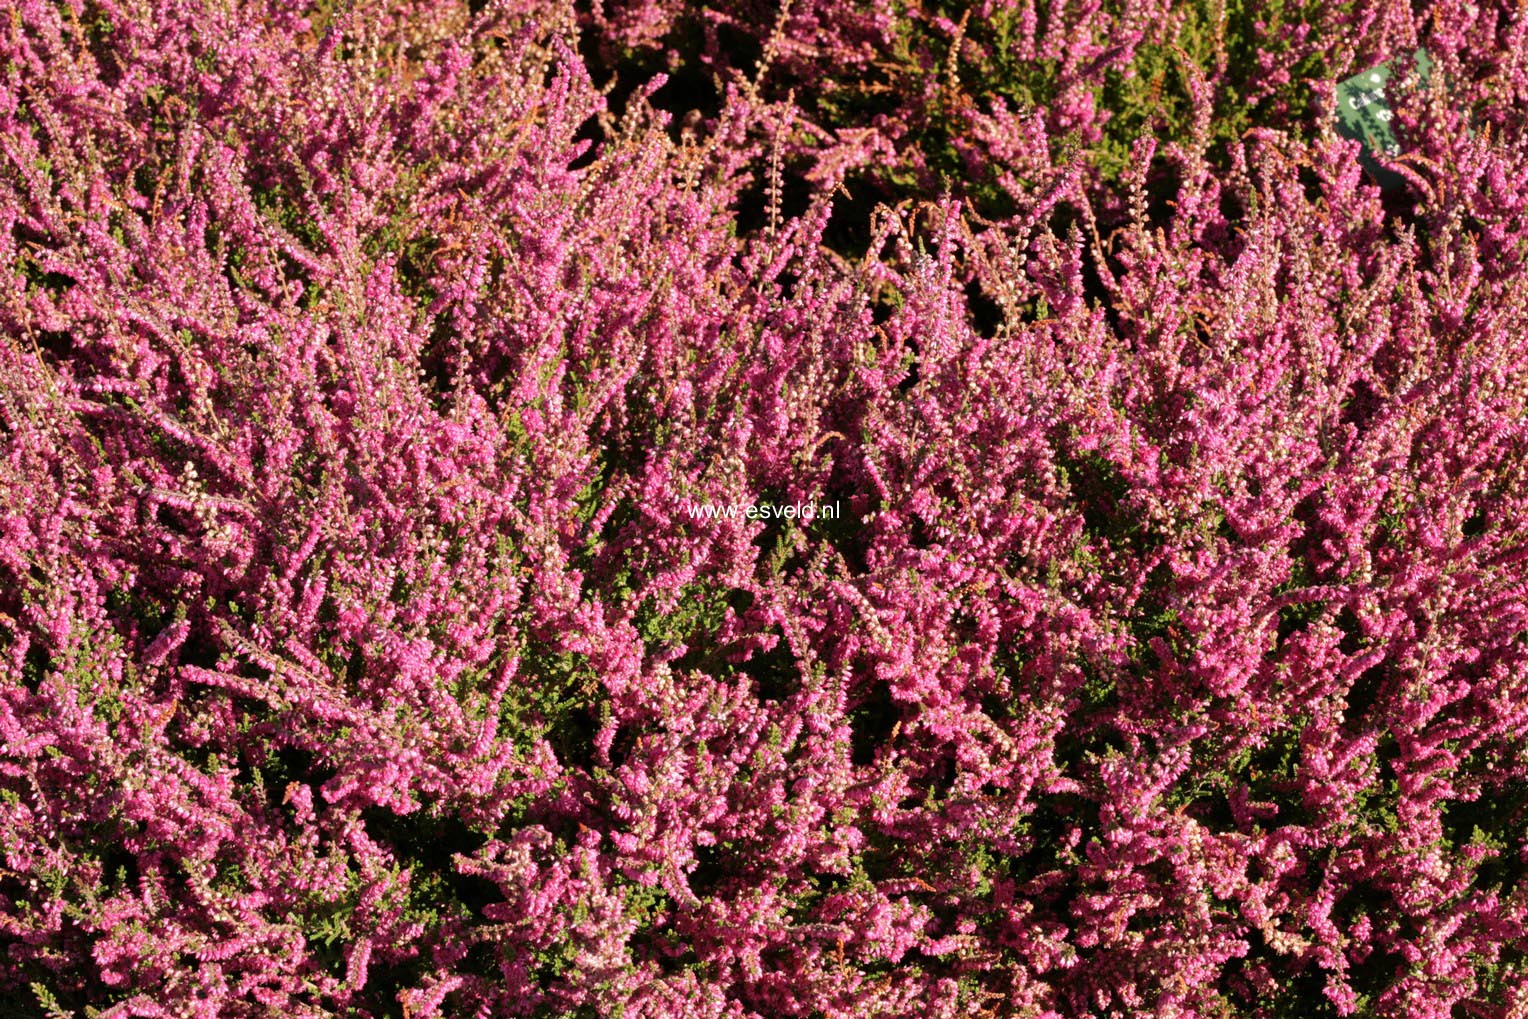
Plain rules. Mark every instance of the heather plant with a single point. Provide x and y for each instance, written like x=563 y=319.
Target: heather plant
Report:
x=362 y=656
x=985 y=99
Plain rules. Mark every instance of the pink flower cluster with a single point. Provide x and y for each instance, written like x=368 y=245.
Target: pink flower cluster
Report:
x=359 y=657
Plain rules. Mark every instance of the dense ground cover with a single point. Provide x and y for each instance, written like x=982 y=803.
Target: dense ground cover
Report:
x=360 y=656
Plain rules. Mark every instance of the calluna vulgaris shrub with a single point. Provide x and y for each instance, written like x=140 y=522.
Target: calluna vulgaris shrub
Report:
x=363 y=656
x=914 y=96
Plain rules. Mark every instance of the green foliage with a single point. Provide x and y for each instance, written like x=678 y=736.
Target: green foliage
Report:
x=559 y=694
